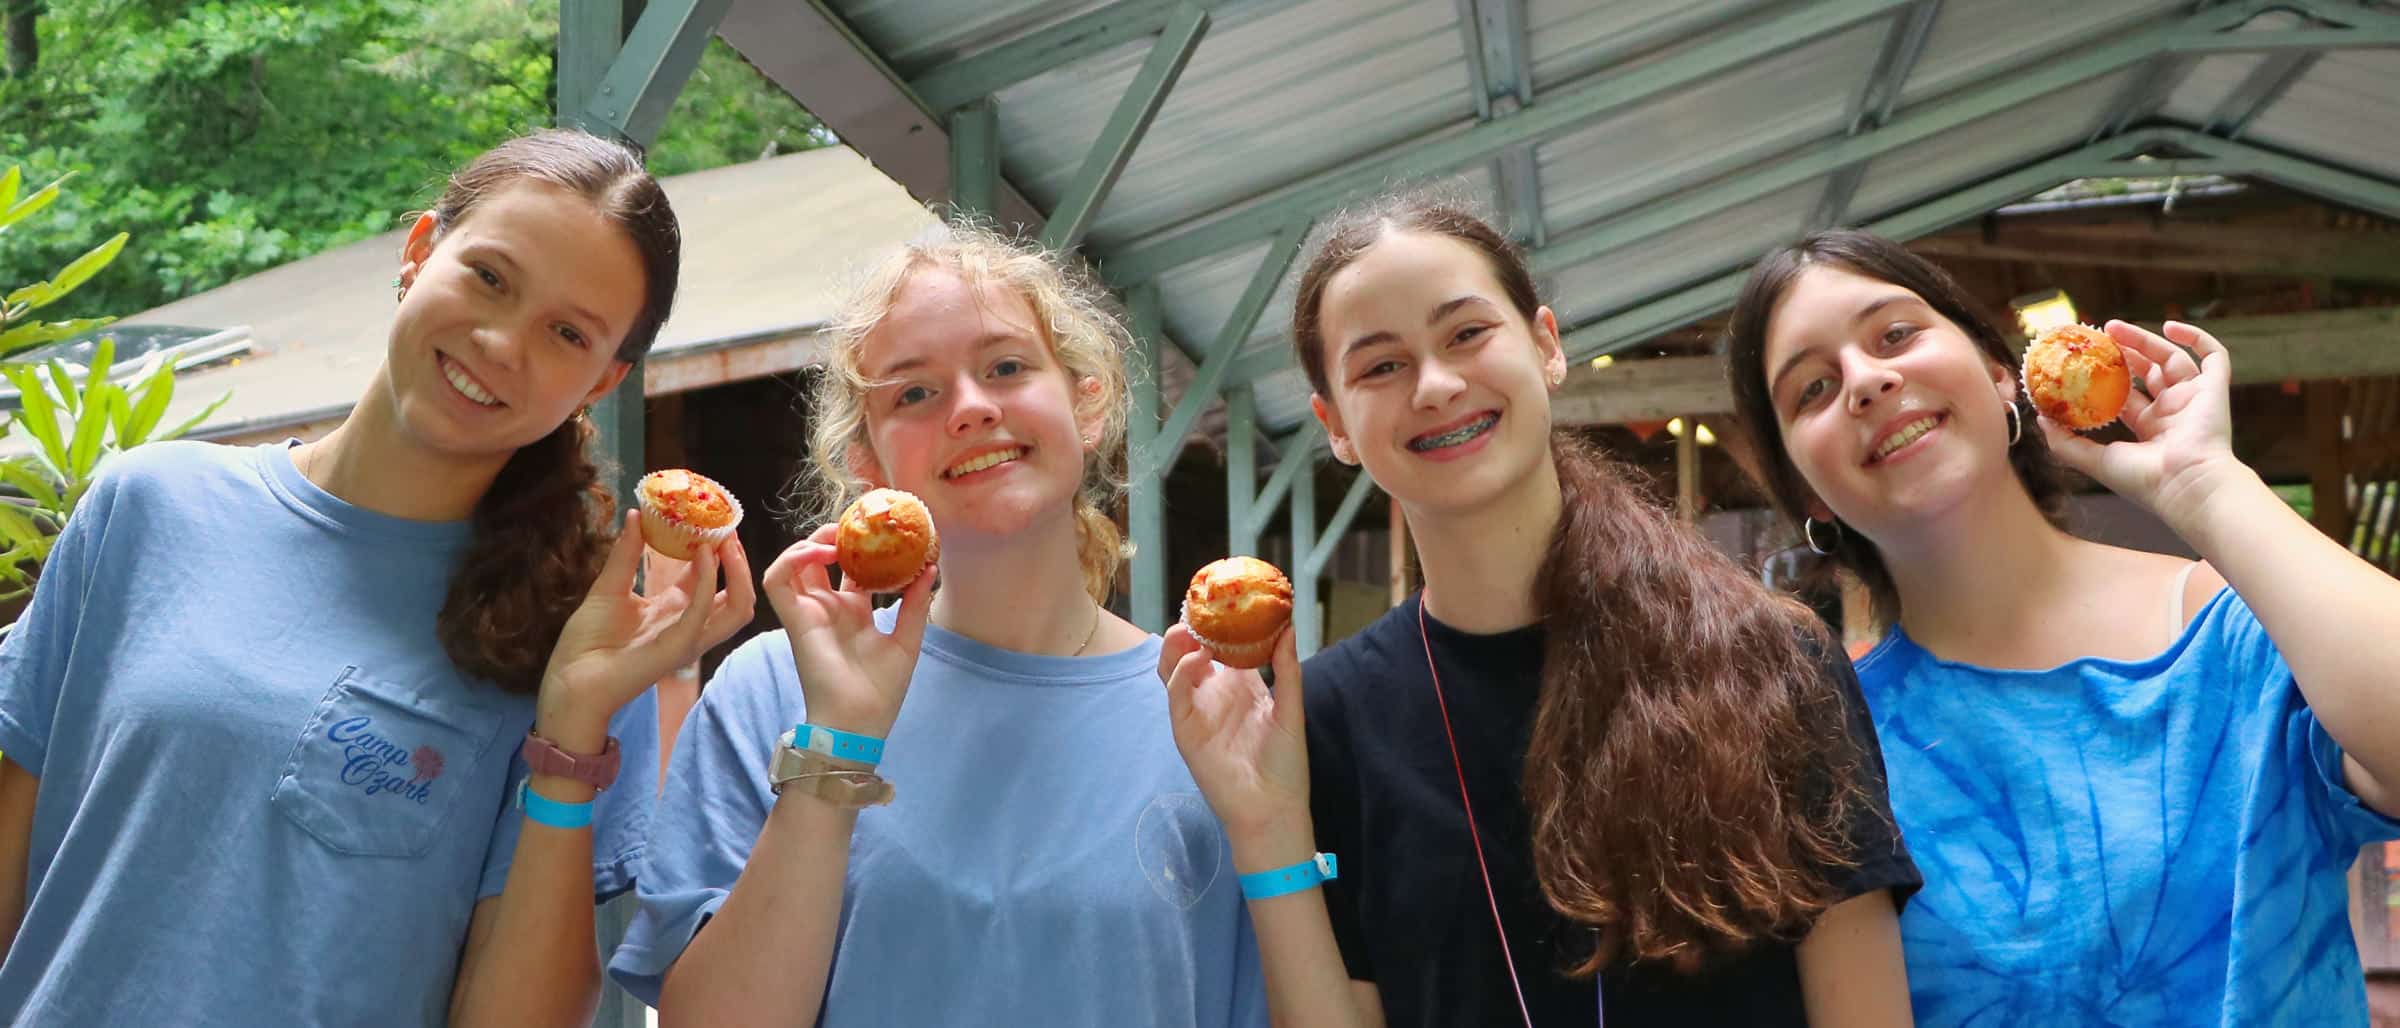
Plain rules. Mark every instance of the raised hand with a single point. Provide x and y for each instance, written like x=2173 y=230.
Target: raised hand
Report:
x=852 y=674
x=2183 y=427
x=1245 y=744
x=619 y=641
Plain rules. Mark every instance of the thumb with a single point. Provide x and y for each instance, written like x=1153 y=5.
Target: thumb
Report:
x=916 y=605
x=1290 y=712
x=624 y=558
x=2073 y=450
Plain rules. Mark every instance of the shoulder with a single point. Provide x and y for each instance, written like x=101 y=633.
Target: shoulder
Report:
x=756 y=679
x=176 y=462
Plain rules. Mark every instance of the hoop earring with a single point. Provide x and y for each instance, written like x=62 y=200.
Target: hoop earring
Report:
x=1808 y=530
x=2016 y=424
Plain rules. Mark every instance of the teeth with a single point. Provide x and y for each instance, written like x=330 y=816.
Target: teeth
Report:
x=990 y=460
x=459 y=380
x=1457 y=435
x=1904 y=437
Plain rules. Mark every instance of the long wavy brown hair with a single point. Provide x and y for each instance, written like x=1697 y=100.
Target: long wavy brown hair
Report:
x=1875 y=257
x=544 y=526
x=1690 y=773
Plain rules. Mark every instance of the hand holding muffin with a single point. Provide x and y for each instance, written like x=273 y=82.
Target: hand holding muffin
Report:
x=1244 y=743
x=2182 y=428
x=853 y=675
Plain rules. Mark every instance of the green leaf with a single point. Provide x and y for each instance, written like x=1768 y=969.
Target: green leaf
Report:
x=91 y=429
x=68 y=396
x=195 y=420
x=30 y=481
x=24 y=336
x=29 y=297
x=9 y=184
x=19 y=529
x=150 y=398
x=81 y=269
x=38 y=415
x=26 y=207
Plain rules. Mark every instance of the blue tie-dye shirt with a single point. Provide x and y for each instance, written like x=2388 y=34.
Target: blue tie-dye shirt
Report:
x=2123 y=843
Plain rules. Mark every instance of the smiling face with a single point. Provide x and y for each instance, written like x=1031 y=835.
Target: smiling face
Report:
x=1889 y=411
x=970 y=410
x=509 y=321
x=1439 y=383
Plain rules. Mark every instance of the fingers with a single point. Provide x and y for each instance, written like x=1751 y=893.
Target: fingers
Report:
x=1290 y=712
x=738 y=602
x=916 y=606
x=693 y=621
x=2073 y=450
x=2166 y=355
x=1183 y=680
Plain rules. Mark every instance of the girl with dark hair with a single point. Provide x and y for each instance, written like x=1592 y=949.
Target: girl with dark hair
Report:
x=262 y=717
x=2134 y=781
x=1594 y=762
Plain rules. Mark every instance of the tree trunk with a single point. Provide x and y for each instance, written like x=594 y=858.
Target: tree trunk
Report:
x=24 y=50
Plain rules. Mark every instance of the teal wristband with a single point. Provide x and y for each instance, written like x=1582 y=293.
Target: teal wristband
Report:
x=865 y=749
x=543 y=810
x=1307 y=874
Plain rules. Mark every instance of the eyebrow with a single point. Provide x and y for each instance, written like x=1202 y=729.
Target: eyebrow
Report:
x=1868 y=310
x=498 y=252
x=989 y=340
x=1440 y=311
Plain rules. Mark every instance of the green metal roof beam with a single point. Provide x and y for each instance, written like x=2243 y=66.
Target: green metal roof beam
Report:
x=2042 y=78
x=590 y=33
x=633 y=98
x=2373 y=195
x=1361 y=486
x=2258 y=91
x=1300 y=451
x=1872 y=106
x=1073 y=214
x=1145 y=499
x=1560 y=112
x=1045 y=50
x=1221 y=355
x=2289 y=39
x=975 y=159
x=1636 y=324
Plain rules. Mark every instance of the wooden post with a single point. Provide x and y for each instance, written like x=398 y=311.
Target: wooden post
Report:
x=2328 y=470
x=1687 y=470
x=1399 y=536
x=1858 y=615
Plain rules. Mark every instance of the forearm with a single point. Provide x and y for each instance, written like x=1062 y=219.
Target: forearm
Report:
x=1307 y=982
x=764 y=957
x=2332 y=615
x=540 y=966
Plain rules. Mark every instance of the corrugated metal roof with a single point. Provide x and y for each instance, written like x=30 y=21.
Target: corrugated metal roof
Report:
x=1703 y=132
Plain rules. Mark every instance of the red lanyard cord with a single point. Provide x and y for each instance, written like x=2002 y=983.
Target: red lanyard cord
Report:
x=1473 y=834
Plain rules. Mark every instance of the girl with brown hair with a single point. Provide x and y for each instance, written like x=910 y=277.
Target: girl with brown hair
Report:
x=262 y=718
x=1592 y=763
x=2135 y=781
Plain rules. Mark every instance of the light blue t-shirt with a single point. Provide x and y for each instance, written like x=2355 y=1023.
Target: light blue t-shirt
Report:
x=267 y=796
x=2123 y=843
x=1046 y=860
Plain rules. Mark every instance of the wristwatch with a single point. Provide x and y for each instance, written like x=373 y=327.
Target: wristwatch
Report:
x=598 y=771
x=843 y=783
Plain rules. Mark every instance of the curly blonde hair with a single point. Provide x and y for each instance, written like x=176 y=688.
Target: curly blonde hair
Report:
x=1080 y=325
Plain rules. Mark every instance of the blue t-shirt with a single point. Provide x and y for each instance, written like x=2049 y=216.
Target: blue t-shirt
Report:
x=2123 y=843
x=1046 y=859
x=267 y=796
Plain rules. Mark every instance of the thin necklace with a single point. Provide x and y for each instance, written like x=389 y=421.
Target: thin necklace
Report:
x=1474 y=835
x=1089 y=635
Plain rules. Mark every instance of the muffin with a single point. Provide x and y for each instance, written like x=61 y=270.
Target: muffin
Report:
x=2077 y=377
x=1236 y=607
x=885 y=540
x=683 y=511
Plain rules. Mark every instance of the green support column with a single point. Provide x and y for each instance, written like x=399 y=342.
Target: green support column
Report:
x=1146 y=501
x=1241 y=471
x=1307 y=629
x=591 y=39
x=975 y=159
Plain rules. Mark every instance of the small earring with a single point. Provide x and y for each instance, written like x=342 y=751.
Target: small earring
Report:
x=1344 y=452
x=2016 y=424
x=399 y=289
x=1808 y=530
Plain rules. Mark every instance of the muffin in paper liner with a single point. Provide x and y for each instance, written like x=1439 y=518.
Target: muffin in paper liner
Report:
x=2077 y=376
x=885 y=540
x=685 y=511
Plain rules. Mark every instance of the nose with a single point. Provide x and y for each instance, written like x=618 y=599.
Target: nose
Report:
x=499 y=345
x=972 y=409
x=1866 y=380
x=1437 y=384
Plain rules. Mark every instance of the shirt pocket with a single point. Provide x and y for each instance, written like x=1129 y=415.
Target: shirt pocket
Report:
x=382 y=765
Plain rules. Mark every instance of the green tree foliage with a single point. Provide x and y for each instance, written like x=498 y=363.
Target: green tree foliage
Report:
x=230 y=137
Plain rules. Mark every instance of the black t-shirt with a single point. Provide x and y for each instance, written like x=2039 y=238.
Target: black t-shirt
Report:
x=1410 y=909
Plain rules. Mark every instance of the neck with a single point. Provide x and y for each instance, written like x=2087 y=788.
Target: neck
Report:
x=365 y=462
x=1953 y=597
x=1023 y=593
x=1480 y=565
